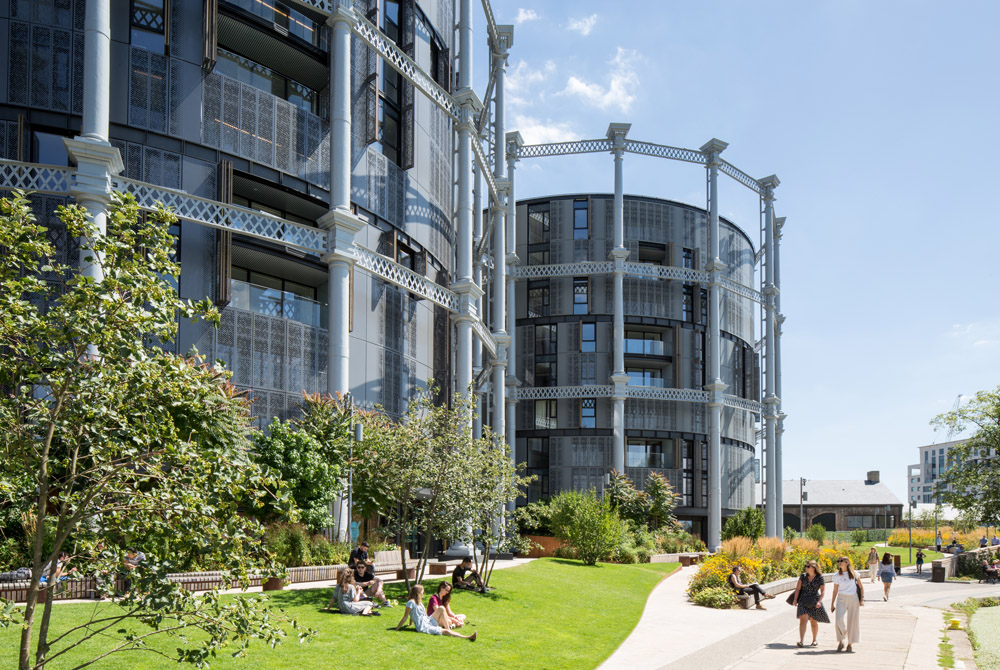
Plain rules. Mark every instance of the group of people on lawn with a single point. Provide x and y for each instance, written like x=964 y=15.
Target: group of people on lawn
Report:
x=358 y=590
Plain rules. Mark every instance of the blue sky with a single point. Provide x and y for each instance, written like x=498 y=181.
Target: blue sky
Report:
x=880 y=119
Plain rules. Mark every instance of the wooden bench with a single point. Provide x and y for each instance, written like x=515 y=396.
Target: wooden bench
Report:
x=389 y=561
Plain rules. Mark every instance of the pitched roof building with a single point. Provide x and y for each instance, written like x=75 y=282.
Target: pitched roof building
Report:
x=841 y=504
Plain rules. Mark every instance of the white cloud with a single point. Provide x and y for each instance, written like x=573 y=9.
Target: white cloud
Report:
x=537 y=131
x=525 y=15
x=620 y=91
x=584 y=25
x=978 y=334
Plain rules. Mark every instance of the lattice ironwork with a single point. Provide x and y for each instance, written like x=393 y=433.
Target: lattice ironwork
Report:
x=396 y=274
x=741 y=290
x=34 y=178
x=484 y=168
x=663 y=151
x=405 y=65
x=740 y=176
x=742 y=403
x=677 y=395
x=562 y=269
x=564 y=148
x=228 y=217
x=557 y=392
x=485 y=336
x=648 y=270
x=491 y=25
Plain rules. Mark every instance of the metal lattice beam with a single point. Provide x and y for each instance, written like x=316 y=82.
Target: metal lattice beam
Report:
x=650 y=271
x=564 y=148
x=741 y=177
x=557 y=392
x=561 y=269
x=35 y=178
x=405 y=278
x=676 y=395
x=228 y=217
x=405 y=65
x=485 y=170
x=741 y=403
x=491 y=27
x=741 y=290
x=664 y=151
x=480 y=329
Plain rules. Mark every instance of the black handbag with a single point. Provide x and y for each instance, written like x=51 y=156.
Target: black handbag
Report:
x=791 y=598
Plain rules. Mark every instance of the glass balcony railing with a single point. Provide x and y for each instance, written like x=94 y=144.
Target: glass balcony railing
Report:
x=273 y=302
x=642 y=380
x=652 y=460
x=644 y=347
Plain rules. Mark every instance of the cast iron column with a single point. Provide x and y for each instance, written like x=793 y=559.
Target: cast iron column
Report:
x=619 y=380
x=779 y=319
x=514 y=144
x=770 y=397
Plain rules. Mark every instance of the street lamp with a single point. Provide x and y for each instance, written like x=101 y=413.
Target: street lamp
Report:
x=357 y=434
x=802 y=513
x=913 y=503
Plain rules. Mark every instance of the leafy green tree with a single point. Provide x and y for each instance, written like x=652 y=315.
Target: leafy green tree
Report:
x=747 y=522
x=313 y=468
x=789 y=533
x=858 y=535
x=629 y=502
x=816 y=532
x=974 y=474
x=588 y=524
x=662 y=501
x=118 y=442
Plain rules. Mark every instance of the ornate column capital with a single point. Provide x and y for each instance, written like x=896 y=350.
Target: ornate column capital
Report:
x=342 y=226
x=514 y=142
x=616 y=134
x=342 y=12
x=505 y=35
x=96 y=162
x=769 y=183
x=712 y=149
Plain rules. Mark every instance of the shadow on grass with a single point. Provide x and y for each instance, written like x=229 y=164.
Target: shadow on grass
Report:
x=573 y=561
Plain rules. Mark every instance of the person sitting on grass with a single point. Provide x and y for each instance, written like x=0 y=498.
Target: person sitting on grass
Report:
x=347 y=596
x=416 y=613
x=439 y=608
x=460 y=581
x=370 y=585
x=747 y=589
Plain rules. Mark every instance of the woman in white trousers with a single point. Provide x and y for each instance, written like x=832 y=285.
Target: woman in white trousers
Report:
x=873 y=564
x=848 y=598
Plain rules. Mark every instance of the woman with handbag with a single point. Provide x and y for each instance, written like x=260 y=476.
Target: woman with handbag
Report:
x=848 y=597
x=808 y=598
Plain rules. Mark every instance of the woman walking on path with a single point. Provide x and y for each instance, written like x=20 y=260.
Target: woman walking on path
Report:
x=887 y=572
x=873 y=564
x=808 y=598
x=920 y=561
x=848 y=596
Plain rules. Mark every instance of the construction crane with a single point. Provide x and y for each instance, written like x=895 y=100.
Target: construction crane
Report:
x=954 y=408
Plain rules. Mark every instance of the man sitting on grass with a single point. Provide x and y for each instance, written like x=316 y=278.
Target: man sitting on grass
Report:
x=464 y=576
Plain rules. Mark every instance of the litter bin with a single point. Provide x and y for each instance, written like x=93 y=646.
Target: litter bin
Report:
x=896 y=563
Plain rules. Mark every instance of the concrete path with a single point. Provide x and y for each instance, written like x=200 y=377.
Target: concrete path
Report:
x=902 y=634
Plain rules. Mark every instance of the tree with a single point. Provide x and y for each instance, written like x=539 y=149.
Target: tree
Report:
x=816 y=532
x=629 y=502
x=662 y=501
x=119 y=442
x=589 y=525
x=972 y=482
x=747 y=522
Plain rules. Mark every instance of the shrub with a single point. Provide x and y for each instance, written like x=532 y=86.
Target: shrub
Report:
x=858 y=536
x=625 y=554
x=816 y=532
x=747 y=522
x=737 y=547
x=589 y=525
x=719 y=597
x=676 y=542
x=789 y=533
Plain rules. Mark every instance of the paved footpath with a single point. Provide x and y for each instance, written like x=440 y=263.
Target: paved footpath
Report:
x=903 y=634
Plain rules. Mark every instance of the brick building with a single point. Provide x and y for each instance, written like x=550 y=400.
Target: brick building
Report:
x=842 y=504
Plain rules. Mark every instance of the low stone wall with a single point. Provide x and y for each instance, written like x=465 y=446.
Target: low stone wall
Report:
x=943 y=568
x=788 y=584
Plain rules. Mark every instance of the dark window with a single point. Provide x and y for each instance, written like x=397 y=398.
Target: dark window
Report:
x=645 y=377
x=687 y=473
x=581 y=291
x=538 y=224
x=545 y=414
x=283 y=16
x=266 y=294
x=704 y=306
x=588 y=413
x=538 y=257
x=247 y=71
x=642 y=342
x=588 y=337
x=538 y=465
x=687 y=259
x=650 y=454
x=652 y=253
x=581 y=227
x=588 y=375
x=546 y=338
x=545 y=373
x=390 y=91
x=704 y=474
x=687 y=303
x=149 y=25
x=48 y=149
x=538 y=298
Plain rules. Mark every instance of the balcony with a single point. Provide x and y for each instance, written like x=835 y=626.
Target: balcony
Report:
x=273 y=302
x=638 y=379
x=636 y=347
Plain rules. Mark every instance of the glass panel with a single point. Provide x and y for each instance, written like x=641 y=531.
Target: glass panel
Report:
x=588 y=337
x=273 y=301
x=49 y=149
x=580 y=295
x=581 y=230
x=588 y=413
x=538 y=224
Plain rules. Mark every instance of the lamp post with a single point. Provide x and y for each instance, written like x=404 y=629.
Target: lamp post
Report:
x=802 y=507
x=910 y=543
x=885 y=520
x=357 y=434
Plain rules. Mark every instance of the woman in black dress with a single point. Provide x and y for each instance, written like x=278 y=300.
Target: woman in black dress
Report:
x=809 y=601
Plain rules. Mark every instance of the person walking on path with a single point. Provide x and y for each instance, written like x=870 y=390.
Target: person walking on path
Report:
x=920 y=561
x=873 y=564
x=887 y=571
x=747 y=589
x=808 y=598
x=938 y=542
x=848 y=597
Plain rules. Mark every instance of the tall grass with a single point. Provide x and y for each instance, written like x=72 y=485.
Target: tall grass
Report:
x=737 y=547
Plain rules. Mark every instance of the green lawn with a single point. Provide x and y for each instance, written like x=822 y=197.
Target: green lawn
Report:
x=549 y=613
x=986 y=625
x=903 y=552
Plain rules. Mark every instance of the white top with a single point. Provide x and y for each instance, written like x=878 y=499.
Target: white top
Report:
x=845 y=585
